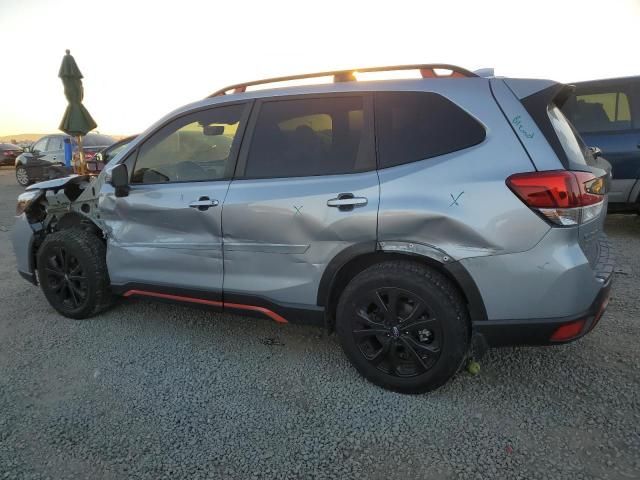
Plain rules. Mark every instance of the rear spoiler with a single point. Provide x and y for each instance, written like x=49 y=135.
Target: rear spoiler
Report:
x=536 y=96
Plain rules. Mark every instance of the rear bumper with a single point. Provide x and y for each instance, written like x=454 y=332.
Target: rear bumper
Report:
x=550 y=331
x=540 y=331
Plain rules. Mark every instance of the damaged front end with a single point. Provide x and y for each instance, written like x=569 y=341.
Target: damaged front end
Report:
x=52 y=206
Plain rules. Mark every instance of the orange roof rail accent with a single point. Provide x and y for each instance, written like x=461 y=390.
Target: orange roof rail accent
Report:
x=426 y=70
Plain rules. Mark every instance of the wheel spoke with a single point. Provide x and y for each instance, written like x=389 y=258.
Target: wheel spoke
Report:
x=55 y=272
x=419 y=310
x=422 y=349
x=381 y=354
x=72 y=295
x=430 y=323
x=65 y=260
x=59 y=287
x=370 y=332
x=77 y=278
x=394 y=359
x=392 y=295
x=414 y=353
x=368 y=321
x=380 y=303
x=78 y=293
x=75 y=270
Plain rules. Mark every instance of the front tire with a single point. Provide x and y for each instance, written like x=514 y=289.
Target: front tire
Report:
x=72 y=271
x=22 y=176
x=404 y=326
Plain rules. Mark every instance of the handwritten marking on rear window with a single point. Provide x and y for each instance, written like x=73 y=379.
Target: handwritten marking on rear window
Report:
x=517 y=121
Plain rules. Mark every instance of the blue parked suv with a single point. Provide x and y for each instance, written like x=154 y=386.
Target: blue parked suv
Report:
x=607 y=115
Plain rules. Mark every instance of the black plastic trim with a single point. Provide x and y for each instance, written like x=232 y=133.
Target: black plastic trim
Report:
x=477 y=310
x=335 y=265
x=29 y=277
x=292 y=313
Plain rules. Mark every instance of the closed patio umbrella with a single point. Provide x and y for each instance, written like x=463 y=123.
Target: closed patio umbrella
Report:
x=76 y=121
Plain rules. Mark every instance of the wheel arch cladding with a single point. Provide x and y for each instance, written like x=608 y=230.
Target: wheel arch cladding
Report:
x=346 y=265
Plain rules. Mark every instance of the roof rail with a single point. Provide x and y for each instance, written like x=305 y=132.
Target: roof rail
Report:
x=426 y=70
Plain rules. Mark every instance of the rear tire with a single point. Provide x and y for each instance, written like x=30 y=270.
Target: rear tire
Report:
x=72 y=271
x=404 y=326
x=22 y=176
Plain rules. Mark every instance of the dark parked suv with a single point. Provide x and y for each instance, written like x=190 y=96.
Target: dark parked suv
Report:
x=33 y=165
x=607 y=115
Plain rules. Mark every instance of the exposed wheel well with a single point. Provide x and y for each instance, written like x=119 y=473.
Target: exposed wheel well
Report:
x=353 y=267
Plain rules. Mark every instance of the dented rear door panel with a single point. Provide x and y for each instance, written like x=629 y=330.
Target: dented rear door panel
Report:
x=280 y=234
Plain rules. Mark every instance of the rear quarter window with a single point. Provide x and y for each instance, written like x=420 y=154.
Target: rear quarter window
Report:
x=412 y=126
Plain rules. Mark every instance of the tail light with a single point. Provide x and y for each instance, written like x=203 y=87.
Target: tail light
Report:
x=88 y=154
x=568 y=331
x=562 y=197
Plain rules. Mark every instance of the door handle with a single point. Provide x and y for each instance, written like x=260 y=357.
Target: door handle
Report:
x=203 y=203
x=346 y=201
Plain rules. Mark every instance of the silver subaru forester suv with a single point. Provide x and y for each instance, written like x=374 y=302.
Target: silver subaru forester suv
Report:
x=421 y=219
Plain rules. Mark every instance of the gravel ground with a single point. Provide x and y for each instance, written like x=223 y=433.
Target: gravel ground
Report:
x=154 y=391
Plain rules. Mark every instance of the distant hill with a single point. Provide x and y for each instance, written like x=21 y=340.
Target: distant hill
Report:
x=22 y=137
x=26 y=137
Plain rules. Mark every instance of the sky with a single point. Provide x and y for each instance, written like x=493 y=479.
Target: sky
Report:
x=142 y=59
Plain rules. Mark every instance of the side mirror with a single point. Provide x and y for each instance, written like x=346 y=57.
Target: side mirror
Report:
x=120 y=180
x=596 y=152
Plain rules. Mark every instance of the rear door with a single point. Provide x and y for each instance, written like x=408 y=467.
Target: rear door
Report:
x=55 y=149
x=306 y=189
x=606 y=118
x=165 y=236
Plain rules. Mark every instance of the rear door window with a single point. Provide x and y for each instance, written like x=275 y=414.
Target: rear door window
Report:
x=599 y=111
x=412 y=126
x=309 y=137
x=55 y=144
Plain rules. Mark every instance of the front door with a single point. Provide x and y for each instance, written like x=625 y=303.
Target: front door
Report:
x=306 y=190
x=165 y=236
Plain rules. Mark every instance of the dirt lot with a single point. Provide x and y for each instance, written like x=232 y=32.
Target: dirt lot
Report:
x=155 y=391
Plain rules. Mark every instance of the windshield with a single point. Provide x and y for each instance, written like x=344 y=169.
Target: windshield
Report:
x=571 y=142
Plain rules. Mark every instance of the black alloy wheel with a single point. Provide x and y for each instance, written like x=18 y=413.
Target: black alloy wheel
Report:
x=73 y=274
x=66 y=278
x=404 y=326
x=396 y=332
